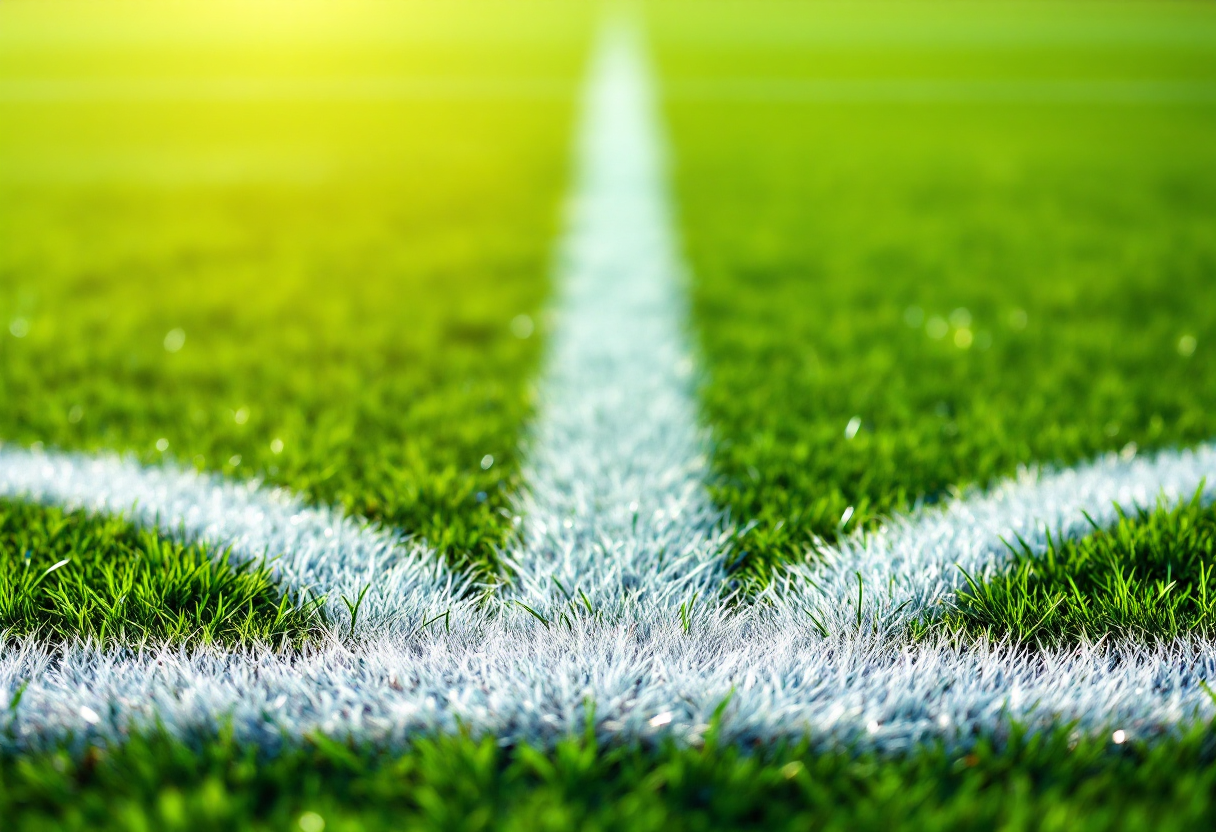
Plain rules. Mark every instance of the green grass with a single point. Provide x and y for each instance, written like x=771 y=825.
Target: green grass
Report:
x=1151 y=577
x=325 y=288
x=69 y=575
x=943 y=288
x=1053 y=781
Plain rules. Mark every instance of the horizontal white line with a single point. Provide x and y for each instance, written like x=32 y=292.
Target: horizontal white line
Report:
x=512 y=677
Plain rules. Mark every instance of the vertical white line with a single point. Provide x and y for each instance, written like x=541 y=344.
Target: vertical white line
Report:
x=616 y=506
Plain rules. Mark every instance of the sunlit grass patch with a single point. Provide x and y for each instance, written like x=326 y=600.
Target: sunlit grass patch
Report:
x=68 y=575
x=931 y=243
x=303 y=242
x=1151 y=577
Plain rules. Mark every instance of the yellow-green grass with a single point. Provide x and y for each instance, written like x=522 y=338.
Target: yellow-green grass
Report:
x=958 y=238
x=287 y=240
x=65 y=576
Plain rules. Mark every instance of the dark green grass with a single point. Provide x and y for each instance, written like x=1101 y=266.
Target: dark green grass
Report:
x=938 y=290
x=334 y=295
x=69 y=575
x=1053 y=781
x=1151 y=577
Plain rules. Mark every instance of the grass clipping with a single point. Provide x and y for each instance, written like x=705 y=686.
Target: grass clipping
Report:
x=70 y=575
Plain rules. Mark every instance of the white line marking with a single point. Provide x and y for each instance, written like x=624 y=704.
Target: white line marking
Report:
x=914 y=562
x=317 y=549
x=616 y=505
x=649 y=667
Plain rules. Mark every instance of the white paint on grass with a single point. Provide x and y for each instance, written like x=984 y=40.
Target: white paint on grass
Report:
x=616 y=506
x=315 y=550
x=915 y=563
x=616 y=427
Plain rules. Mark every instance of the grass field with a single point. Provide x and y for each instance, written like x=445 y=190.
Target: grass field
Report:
x=959 y=238
x=928 y=244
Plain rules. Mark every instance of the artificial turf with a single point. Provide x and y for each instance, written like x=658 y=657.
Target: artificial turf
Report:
x=66 y=576
x=957 y=238
x=302 y=243
x=1152 y=577
x=1059 y=780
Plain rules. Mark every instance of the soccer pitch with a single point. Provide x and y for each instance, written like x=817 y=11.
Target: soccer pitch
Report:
x=540 y=416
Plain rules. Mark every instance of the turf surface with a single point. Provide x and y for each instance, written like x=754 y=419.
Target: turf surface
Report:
x=1051 y=782
x=957 y=239
x=67 y=575
x=309 y=248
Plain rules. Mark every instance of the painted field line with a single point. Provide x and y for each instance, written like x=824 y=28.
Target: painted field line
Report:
x=316 y=549
x=915 y=562
x=616 y=505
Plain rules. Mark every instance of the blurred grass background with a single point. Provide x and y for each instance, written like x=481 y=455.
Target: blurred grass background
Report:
x=958 y=237
x=302 y=241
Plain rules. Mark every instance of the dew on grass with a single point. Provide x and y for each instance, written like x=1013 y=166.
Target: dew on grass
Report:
x=75 y=414
x=791 y=770
x=937 y=327
x=19 y=327
x=1186 y=346
x=276 y=446
x=241 y=416
x=1129 y=451
x=854 y=425
x=963 y=339
x=486 y=462
x=234 y=460
x=175 y=339
x=847 y=516
x=1119 y=737
x=659 y=720
x=960 y=318
x=311 y=822
x=89 y=715
x=522 y=326
x=162 y=444
x=873 y=726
